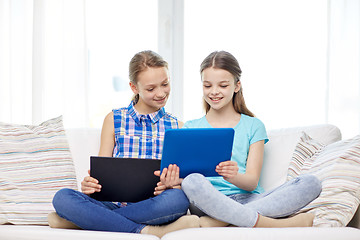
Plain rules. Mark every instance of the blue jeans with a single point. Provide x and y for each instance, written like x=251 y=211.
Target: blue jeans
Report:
x=243 y=209
x=90 y=214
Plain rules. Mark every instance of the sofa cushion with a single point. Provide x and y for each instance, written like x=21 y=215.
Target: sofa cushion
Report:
x=239 y=233
x=20 y=232
x=305 y=149
x=337 y=166
x=281 y=145
x=35 y=162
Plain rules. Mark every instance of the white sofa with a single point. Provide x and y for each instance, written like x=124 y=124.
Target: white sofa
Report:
x=278 y=153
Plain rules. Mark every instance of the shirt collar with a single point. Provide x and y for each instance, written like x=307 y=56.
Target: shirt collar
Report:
x=154 y=117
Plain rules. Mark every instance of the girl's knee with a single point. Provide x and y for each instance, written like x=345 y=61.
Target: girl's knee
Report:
x=312 y=182
x=62 y=196
x=190 y=181
x=175 y=194
x=176 y=198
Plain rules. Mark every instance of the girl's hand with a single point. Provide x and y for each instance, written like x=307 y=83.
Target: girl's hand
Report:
x=169 y=178
x=227 y=169
x=90 y=185
x=159 y=188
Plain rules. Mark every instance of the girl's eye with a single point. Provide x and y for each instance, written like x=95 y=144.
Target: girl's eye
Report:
x=165 y=84
x=150 y=89
x=224 y=86
x=206 y=86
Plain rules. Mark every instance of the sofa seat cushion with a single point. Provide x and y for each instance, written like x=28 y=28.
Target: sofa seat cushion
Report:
x=21 y=232
x=237 y=233
x=35 y=162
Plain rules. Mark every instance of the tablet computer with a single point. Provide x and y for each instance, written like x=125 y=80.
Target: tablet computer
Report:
x=124 y=179
x=197 y=150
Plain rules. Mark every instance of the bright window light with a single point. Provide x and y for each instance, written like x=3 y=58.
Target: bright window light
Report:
x=116 y=30
x=281 y=48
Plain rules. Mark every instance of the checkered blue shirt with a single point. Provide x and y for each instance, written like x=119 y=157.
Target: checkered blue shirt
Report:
x=140 y=136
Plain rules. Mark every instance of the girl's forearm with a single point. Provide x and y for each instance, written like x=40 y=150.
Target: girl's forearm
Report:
x=247 y=181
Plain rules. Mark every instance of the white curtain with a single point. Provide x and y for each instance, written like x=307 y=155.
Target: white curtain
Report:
x=43 y=62
x=15 y=56
x=344 y=66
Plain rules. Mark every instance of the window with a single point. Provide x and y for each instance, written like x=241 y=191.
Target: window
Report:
x=281 y=48
x=300 y=58
x=116 y=30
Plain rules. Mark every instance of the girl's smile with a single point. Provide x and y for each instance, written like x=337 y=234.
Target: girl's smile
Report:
x=216 y=99
x=219 y=87
x=162 y=100
x=153 y=87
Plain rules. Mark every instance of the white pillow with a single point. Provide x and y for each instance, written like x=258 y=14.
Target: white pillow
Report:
x=35 y=162
x=337 y=166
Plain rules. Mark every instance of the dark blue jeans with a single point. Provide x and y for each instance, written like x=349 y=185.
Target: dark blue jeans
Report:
x=90 y=214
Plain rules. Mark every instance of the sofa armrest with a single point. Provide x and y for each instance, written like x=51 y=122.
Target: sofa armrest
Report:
x=355 y=221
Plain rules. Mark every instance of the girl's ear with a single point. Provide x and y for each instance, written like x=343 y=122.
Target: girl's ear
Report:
x=133 y=88
x=237 y=86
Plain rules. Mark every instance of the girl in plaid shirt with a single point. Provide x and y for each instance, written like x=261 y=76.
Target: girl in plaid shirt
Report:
x=136 y=131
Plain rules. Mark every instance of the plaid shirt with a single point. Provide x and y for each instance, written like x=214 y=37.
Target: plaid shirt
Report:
x=140 y=136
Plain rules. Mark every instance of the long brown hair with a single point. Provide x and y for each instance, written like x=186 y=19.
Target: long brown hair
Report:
x=140 y=62
x=226 y=61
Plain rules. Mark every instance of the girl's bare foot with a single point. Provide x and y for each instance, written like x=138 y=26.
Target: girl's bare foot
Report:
x=55 y=221
x=299 y=220
x=187 y=221
x=206 y=221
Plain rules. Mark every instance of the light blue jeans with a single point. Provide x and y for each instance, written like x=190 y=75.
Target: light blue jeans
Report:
x=90 y=214
x=243 y=209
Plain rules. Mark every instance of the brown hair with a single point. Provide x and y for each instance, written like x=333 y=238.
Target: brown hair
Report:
x=140 y=62
x=226 y=61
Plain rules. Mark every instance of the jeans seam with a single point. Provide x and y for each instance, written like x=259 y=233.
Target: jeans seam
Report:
x=141 y=227
x=175 y=215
